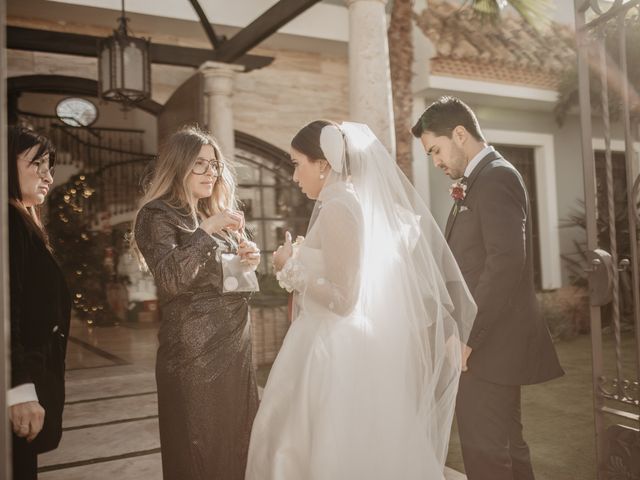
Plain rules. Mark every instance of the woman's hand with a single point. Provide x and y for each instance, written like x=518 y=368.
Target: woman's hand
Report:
x=232 y=220
x=466 y=353
x=283 y=253
x=249 y=253
x=27 y=419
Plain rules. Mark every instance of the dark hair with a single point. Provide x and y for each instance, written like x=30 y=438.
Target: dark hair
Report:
x=20 y=140
x=307 y=140
x=445 y=114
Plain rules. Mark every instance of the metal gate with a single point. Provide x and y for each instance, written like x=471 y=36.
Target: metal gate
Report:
x=607 y=96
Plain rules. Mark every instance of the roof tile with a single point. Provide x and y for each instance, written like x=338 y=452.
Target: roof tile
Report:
x=507 y=51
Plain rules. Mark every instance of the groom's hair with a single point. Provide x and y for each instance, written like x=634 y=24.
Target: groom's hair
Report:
x=445 y=114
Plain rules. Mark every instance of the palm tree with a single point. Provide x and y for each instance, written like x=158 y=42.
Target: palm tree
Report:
x=401 y=58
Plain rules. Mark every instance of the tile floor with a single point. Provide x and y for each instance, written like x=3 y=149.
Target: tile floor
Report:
x=111 y=418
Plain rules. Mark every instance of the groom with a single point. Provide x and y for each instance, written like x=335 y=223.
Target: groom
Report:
x=489 y=232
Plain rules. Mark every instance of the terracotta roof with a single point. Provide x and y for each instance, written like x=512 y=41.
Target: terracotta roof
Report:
x=507 y=51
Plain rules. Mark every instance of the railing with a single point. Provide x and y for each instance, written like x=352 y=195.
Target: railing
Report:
x=603 y=55
x=111 y=160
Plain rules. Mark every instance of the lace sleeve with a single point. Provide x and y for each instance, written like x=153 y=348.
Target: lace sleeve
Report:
x=336 y=286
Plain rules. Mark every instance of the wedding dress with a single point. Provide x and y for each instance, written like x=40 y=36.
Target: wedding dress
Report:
x=365 y=382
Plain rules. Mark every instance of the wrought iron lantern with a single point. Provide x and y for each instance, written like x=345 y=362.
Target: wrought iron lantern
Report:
x=124 y=67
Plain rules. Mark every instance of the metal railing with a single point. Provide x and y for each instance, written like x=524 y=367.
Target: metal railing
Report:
x=111 y=161
x=603 y=58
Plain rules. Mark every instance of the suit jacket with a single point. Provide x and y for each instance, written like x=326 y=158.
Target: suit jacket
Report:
x=489 y=233
x=40 y=312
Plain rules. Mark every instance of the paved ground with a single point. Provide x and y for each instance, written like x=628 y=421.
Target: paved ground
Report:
x=558 y=416
x=111 y=415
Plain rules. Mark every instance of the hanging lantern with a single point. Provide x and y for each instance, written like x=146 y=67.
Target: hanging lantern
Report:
x=124 y=67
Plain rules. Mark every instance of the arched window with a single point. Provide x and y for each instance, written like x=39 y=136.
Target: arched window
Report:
x=272 y=202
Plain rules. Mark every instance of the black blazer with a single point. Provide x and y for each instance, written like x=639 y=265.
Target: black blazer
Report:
x=489 y=233
x=40 y=312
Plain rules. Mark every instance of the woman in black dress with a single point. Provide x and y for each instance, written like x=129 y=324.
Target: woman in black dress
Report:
x=40 y=307
x=207 y=395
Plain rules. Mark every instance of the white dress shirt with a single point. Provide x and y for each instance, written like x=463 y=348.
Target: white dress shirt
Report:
x=476 y=160
x=21 y=394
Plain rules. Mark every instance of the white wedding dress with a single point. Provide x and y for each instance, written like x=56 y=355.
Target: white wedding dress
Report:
x=365 y=382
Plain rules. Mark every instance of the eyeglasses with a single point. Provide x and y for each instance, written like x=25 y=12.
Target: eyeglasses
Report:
x=43 y=168
x=202 y=166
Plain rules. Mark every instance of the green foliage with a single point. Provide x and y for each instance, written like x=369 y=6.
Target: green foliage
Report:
x=535 y=12
x=566 y=311
x=577 y=264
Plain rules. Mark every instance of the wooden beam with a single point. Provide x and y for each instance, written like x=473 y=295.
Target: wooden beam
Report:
x=208 y=28
x=61 y=84
x=19 y=38
x=261 y=28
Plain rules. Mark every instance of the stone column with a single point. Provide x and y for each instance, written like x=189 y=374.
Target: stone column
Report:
x=370 y=97
x=218 y=90
x=421 y=164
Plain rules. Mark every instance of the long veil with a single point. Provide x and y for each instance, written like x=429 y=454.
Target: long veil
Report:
x=406 y=298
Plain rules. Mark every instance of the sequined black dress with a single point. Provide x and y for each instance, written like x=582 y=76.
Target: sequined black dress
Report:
x=207 y=395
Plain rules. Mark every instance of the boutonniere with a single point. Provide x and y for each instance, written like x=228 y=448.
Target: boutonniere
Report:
x=458 y=191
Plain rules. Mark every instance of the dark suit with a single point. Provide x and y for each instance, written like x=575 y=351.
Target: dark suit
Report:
x=40 y=311
x=489 y=233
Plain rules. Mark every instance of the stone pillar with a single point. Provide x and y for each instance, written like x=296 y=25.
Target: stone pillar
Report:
x=218 y=90
x=370 y=97
x=421 y=164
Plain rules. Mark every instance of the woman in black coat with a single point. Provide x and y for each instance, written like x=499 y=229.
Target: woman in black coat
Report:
x=40 y=307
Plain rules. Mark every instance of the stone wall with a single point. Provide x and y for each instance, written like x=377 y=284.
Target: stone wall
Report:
x=271 y=103
x=275 y=102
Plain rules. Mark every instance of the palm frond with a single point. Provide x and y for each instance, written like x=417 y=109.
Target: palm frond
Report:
x=537 y=13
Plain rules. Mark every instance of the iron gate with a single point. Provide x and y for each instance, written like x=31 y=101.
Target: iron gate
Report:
x=603 y=62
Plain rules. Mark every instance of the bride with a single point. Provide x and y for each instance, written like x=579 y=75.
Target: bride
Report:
x=365 y=383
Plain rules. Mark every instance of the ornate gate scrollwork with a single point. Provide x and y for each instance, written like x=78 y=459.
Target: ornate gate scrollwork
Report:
x=613 y=271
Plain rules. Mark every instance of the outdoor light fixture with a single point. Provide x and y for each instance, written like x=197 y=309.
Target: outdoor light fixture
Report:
x=124 y=67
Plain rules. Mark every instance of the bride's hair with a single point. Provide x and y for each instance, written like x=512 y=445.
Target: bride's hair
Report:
x=307 y=140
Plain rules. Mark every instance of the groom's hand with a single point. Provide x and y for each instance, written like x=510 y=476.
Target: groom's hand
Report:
x=466 y=352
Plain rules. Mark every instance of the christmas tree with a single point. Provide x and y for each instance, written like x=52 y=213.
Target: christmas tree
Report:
x=80 y=249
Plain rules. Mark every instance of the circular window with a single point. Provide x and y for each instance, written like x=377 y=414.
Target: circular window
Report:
x=77 y=112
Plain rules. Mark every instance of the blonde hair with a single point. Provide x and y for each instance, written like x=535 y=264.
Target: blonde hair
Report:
x=169 y=180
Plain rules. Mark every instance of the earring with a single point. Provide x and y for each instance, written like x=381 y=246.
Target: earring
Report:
x=322 y=176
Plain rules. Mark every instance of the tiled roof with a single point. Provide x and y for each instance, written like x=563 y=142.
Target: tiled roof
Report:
x=506 y=51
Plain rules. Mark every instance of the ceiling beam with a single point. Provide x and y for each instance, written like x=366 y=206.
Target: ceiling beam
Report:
x=208 y=28
x=20 y=38
x=261 y=28
x=60 y=84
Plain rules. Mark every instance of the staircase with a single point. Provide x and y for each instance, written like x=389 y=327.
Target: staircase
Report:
x=112 y=161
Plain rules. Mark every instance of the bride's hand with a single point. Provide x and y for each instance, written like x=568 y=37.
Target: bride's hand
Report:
x=283 y=253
